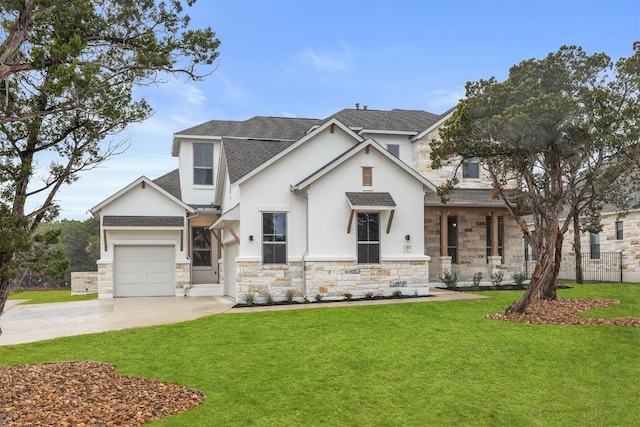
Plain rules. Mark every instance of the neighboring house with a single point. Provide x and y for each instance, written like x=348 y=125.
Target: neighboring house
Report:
x=279 y=206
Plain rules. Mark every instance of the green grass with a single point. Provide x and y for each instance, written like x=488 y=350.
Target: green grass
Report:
x=42 y=297
x=418 y=364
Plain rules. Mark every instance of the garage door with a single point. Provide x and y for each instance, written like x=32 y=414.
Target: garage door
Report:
x=230 y=254
x=144 y=271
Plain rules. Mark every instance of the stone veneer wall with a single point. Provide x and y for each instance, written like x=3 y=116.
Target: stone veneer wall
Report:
x=84 y=282
x=329 y=278
x=472 y=244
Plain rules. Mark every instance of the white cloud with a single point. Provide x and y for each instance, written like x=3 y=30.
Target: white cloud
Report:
x=327 y=61
x=441 y=100
x=229 y=91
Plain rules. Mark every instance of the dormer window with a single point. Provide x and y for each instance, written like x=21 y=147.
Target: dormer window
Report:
x=471 y=170
x=203 y=164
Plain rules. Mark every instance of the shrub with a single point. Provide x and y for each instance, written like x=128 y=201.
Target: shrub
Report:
x=318 y=297
x=368 y=295
x=270 y=298
x=450 y=280
x=396 y=293
x=250 y=298
x=289 y=294
x=496 y=279
x=477 y=278
x=519 y=277
x=348 y=295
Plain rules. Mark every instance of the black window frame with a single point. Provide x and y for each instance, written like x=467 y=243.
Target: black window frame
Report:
x=274 y=239
x=452 y=238
x=368 y=238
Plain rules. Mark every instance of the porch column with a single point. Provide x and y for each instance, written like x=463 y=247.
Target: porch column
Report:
x=494 y=263
x=445 y=259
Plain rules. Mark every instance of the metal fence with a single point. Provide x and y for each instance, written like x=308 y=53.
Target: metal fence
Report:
x=606 y=268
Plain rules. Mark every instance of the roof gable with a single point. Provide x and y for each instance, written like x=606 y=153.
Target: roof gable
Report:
x=145 y=181
x=352 y=152
x=244 y=155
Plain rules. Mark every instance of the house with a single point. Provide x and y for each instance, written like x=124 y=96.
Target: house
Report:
x=287 y=206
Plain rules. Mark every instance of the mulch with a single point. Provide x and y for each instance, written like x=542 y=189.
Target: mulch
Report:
x=86 y=394
x=83 y=394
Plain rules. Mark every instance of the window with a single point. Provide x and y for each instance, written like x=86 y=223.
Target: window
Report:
x=274 y=238
x=368 y=238
x=594 y=240
x=201 y=246
x=203 y=164
x=367 y=176
x=452 y=238
x=500 y=237
x=619 y=230
x=529 y=253
x=471 y=169
x=394 y=149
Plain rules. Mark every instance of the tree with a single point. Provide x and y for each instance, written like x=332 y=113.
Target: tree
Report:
x=67 y=73
x=559 y=136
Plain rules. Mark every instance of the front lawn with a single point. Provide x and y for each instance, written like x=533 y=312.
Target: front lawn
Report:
x=46 y=296
x=416 y=364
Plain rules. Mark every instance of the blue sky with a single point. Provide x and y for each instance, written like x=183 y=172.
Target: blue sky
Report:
x=309 y=58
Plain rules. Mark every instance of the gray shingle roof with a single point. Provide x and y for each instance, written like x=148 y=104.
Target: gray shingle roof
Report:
x=395 y=120
x=143 y=221
x=368 y=198
x=170 y=182
x=465 y=197
x=244 y=155
x=258 y=127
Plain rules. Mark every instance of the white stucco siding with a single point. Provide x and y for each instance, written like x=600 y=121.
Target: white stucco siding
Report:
x=142 y=237
x=196 y=194
x=329 y=211
x=269 y=191
x=405 y=145
x=140 y=201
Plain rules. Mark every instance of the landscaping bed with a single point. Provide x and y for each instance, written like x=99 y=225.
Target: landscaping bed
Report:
x=86 y=394
x=328 y=301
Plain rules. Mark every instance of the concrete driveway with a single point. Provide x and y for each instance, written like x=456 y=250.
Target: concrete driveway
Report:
x=29 y=323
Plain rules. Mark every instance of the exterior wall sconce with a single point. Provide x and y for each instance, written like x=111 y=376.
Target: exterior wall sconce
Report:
x=251 y=237
x=407 y=237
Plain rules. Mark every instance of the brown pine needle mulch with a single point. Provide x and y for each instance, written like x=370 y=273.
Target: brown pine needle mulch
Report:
x=86 y=394
x=566 y=311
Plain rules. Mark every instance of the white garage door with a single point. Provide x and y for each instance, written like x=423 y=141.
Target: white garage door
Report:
x=230 y=254
x=144 y=271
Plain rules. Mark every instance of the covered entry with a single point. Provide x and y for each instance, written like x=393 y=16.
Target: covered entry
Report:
x=144 y=270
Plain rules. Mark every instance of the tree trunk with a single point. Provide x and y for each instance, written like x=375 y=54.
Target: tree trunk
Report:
x=577 y=249
x=544 y=281
x=5 y=287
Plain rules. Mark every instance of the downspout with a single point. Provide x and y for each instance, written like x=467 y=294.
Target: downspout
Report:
x=306 y=253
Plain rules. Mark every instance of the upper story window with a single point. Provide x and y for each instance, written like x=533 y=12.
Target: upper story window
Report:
x=394 y=149
x=619 y=230
x=471 y=169
x=203 y=164
x=274 y=237
x=594 y=244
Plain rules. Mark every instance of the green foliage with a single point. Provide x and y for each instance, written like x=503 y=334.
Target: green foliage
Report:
x=68 y=70
x=348 y=295
x=396 y=293
x=368 y=295
x=560 y=136
x=269 y=299
x=450 y=280
x=376 y=355
x=289 y=294
x=519 y=277
x=496 y=278
x=477 y=278
x=318 y=297
x=249 y=298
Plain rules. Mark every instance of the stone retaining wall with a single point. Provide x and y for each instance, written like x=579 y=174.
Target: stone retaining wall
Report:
x=84 y=282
